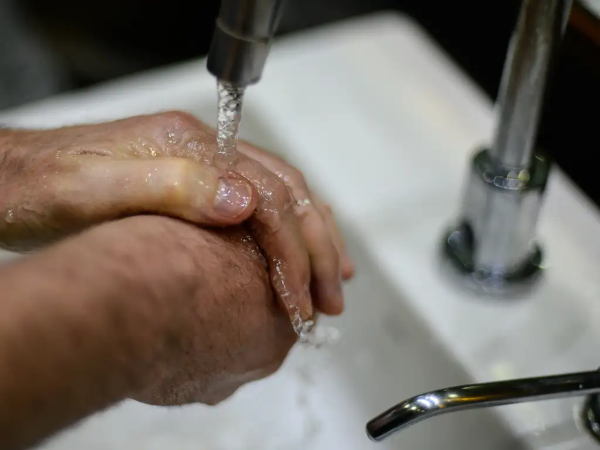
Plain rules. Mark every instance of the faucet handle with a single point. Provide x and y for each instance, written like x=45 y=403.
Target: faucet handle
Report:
x=485 y=395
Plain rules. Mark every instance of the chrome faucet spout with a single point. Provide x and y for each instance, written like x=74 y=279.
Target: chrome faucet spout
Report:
x=242 y=40
x=475 y=396
x=534 y=46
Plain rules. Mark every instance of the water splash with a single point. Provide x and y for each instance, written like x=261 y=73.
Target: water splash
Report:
x=312 y=335
x=303 y=328
x=229 y=117
x=228 y=123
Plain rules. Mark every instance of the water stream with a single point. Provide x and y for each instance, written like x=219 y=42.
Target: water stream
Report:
x=229 y=116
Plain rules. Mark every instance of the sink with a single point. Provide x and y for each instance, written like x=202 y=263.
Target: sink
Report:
x=322 y=398
x=383 y=129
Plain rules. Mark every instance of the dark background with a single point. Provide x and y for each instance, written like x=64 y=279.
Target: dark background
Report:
x=50 y=46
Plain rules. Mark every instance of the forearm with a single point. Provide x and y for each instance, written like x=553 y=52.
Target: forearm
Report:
x=69 y=343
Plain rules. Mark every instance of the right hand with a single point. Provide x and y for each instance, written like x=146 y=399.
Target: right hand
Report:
x=209 y=292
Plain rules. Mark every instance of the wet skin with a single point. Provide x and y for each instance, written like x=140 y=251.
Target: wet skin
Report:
x=58 y=182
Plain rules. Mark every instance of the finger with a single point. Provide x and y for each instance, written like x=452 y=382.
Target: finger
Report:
x=106 y=188
x=274 y=225
x=324 y=260
x=346 y=264
x=277 y=232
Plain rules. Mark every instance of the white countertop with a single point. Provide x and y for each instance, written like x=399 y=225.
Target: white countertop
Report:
x=383 y=123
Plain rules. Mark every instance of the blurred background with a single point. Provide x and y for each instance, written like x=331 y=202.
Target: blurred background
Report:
x=47 y=47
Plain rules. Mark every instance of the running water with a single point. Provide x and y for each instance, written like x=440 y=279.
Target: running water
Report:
x=229 y=116
x=312 y=335
x=303 y=328
x=231 y=100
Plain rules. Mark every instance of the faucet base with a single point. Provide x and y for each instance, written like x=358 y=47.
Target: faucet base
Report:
x=493 y=246
x=484 y=280
x=591 y=416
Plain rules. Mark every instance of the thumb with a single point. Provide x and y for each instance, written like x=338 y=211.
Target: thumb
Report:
x=106 y=188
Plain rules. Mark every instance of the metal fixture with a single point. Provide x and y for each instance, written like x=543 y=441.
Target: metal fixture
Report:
x=493 y=246
x=591 y=416
x=485 y=395
x=242 y=40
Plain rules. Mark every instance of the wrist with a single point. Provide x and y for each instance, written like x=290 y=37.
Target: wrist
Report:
x=109 y=288
x=91 y=328
x=149 y=280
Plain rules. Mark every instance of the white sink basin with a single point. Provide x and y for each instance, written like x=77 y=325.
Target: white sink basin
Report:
x=382 y=123
x=322 y=398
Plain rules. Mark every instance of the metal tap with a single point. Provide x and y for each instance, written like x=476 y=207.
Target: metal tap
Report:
x=493 y=244
x=485 y=395
x=242 y=40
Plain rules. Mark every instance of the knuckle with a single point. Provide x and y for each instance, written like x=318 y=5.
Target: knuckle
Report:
x=174 y=120
x=175 y=178
x=279 y=187
x=297 y=179
x=327 y=209
x=280 y=194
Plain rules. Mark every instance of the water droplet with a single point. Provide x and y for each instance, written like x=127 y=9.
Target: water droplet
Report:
x=10 y=216
x=171 y=138
x=312 y=335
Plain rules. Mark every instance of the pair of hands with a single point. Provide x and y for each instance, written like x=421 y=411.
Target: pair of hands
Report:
x=59 y=182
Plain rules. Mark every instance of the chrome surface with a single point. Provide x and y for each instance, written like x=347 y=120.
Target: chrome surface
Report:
x=242 y=39
x=591 y=416
x=493 y=243
x=476 y=396
x=533 y=47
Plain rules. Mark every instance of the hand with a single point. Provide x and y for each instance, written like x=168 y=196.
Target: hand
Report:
x=319 y=229
x=60 y=181
x=149 y=307
x=294 y=227
x=210 y=291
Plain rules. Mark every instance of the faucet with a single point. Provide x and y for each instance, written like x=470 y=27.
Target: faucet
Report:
x=493 y=245
x=476 y=396
x=242 y=39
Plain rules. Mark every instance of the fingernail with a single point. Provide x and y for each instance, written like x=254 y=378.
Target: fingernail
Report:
x=233 y=197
